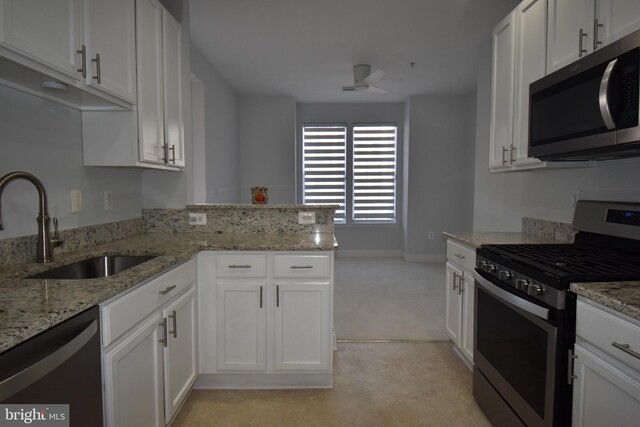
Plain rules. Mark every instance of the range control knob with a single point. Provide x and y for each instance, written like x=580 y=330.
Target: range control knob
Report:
x=481 y=264
x=534 y=290
x=490 y=268
x=522 y=284
x=505 y=275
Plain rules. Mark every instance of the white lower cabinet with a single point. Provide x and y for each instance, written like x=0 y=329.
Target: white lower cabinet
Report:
x=267 y=316
x=606 y=372
x=460 y=292
x=150 y=343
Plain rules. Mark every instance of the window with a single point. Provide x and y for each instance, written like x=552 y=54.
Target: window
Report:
x=365 y=157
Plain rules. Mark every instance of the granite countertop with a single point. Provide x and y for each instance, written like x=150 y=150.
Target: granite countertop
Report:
x=476 y=238
x=623 y=297
x=31 y=306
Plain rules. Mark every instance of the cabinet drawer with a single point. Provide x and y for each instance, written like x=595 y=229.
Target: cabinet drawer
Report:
x=602 y=328
x=125 y=312
x=302 y=265
x=461 y=255
x=241 y=265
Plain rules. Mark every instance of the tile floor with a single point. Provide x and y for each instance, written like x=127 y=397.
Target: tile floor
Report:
x=375 y=384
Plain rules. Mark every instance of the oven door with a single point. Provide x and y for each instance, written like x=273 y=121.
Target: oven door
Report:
x=515 y=349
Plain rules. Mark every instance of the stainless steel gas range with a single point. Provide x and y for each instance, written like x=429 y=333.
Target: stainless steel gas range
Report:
x=525 y=314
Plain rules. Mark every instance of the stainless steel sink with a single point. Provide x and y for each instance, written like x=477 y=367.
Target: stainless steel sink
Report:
x=93 y=268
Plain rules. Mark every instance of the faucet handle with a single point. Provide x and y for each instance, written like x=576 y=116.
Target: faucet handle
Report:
x=55 y=240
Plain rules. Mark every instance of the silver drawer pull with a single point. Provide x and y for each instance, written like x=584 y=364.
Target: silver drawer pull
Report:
x=239 y=266
x=167 y=289
x=626 y=348
x=460 y=256
x=298 y=267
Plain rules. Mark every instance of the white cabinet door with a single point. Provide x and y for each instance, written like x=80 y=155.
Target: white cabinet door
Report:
x=530 y=65
x=150 y=84
x=618 y=18
x=502 y=80
x=566 y=20
x=454 y=303
x=302 y=326
x=47 y=31
x=241 y=319
x=181 y=352
x=133 y=378
x=172 y=66
x=603 y=395
x=109 y=35
x=468 y=315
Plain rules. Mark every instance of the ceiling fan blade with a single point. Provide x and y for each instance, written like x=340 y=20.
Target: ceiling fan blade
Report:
x=377 y=90
x=374 y=77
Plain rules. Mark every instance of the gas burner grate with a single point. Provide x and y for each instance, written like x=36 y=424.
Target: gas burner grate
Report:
x=573 y=261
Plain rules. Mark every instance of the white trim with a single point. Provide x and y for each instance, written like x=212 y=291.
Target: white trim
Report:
x=363 y=253
x=263 y=381
x=424 y=258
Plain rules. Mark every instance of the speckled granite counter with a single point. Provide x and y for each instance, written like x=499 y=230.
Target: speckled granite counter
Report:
x=30 y=306
x=620 y=296
x=475 y=239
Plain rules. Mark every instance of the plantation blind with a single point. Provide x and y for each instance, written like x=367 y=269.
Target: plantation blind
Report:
x=324 y=166
x=374 y=173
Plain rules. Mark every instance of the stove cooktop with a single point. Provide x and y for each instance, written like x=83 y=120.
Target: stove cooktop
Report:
x=566 y=262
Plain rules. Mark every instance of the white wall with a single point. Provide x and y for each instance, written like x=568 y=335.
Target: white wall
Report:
x=381 y=239
x=45 y=138
x=221 y=133
x=502 y=199
x=440 y=172
x=267 y=146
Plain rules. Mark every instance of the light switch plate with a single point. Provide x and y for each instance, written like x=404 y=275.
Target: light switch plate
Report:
x=76 y=201
x=197 y=218
x=306 y=217
x=108 y=200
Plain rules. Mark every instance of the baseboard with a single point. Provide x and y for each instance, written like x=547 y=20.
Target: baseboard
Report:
x=424 y=258
x=362 y=253
x=263 y=381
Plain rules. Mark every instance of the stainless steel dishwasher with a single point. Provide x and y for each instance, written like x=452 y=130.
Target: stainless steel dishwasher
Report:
x=59 y=366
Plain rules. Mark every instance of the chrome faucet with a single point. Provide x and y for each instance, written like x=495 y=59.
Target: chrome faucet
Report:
x=44 y=251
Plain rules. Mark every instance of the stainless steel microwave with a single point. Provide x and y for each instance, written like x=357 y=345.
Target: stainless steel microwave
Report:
x=589 y=109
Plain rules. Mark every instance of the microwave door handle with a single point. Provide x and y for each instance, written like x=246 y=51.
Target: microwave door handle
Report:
x=603 y=99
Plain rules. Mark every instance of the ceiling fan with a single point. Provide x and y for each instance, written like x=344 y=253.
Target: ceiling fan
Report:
x=363 y=80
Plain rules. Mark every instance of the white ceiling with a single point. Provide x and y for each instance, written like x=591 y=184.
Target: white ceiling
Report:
x=306 y=48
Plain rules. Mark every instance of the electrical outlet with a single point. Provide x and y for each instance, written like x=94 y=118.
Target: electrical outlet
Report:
x=108 y=200
x=431 y=235
x=76 y=201
x=197 y=218
x=306 y=217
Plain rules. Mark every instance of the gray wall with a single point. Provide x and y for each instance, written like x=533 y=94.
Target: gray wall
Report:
x=45 y=139
x=502 y=199
x=221 y=133
x=440 y=172
x=267 y=146
x=380 y=239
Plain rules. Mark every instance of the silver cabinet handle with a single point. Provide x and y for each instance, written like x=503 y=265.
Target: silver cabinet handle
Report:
x=167 y=289
x=239 y=266
x=97 y=77
x=596 y=26
x=460 y=288
x=460 y=256
x=173 y=153
x=299 y=267
x=627 y=349
x=455 y=276
x=164 y=332
x=570 y=375
x=174 y=318
x=39 y=369
x=504 y=155
x=277 y=296
x=260 y=296
x=512 y=151
x=581 y=35
x=603 y=100
x=165 y=153
x=83 y=54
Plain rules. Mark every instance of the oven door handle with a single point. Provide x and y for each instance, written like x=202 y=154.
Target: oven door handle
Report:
x=510 y=298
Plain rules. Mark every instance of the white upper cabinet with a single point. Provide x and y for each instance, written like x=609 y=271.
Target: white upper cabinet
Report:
x=172 y=67
x=502 y=85
x=46 y=31
x=110 y=33
x=578 y=27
